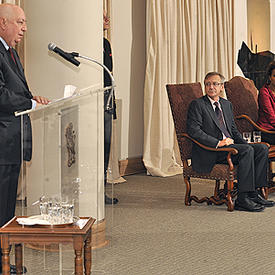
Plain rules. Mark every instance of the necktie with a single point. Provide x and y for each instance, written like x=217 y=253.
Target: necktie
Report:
x=12 y=56
x=220 y=119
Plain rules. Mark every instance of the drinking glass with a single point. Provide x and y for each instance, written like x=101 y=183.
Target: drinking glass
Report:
x=43 y=206
x=257 y=136
x=247 y=136
x=55 y=213
x=67 y=212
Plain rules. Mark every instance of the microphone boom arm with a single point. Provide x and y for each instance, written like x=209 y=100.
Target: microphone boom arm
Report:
x=109 y=105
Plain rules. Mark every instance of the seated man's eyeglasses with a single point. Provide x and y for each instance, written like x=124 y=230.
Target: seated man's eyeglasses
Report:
x=215 y=84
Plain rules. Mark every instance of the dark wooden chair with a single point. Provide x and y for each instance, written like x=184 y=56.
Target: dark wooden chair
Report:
x=244 y=97
x=180 y=96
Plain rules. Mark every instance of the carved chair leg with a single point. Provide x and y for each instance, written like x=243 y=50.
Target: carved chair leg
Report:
x=230 y=205
x=271 y=174
x=217 y=189
x=264 y=191
x=188 y=190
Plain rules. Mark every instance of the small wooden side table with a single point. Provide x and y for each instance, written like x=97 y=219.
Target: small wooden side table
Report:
x=79 y=234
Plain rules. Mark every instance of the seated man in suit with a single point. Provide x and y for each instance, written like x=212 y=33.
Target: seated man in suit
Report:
x=210 y=121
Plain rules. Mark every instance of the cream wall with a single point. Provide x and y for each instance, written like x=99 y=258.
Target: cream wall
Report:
x=258 y=18
x=128 y=45
x=70 y=26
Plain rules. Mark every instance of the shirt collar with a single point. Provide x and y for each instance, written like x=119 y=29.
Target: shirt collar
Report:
x=4 y=43
x=213 y=101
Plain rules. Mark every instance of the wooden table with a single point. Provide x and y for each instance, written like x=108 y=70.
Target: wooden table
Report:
x=14 y=233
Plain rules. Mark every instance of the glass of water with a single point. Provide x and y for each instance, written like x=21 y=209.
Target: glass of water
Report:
x=257 y=136
x=247 y=136
x=55 y=213
x=43 y=206
x=67 y=211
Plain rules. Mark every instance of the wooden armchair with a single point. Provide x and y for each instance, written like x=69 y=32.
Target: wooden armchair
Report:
x=244 y=97
x=180 y=96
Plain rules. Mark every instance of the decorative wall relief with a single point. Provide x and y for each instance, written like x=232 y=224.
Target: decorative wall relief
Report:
x=69 y=133
x=70 y=143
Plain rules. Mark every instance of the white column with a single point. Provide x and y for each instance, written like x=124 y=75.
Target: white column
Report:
x=240 y=30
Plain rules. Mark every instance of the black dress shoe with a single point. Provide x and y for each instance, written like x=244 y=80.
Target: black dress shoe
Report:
x=109 y=200
x=13 y=269
x=244 y=203
x=256 y=197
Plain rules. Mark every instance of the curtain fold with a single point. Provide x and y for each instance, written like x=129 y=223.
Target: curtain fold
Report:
x=185 y=40
x=113 y=175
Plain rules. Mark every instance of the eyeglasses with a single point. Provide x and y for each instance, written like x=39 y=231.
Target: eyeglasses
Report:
x=215 y=84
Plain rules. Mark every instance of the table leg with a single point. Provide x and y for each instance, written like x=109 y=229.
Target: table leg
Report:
x=78 y=246
x=88 y=254
x=5 y=255
x=18 y=259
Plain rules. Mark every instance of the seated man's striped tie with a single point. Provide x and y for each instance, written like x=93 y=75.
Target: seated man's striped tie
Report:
x=220 y=119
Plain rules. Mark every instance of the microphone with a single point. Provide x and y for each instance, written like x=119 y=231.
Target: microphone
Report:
x=68 y=56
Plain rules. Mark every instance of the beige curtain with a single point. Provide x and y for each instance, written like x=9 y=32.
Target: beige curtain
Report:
x=185 y=40
x=113 y=175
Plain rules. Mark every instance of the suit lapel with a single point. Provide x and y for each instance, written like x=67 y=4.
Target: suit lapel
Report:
x=7 y=57
x=18 y=70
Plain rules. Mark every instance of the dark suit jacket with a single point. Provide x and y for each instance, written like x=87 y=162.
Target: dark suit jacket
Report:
x=108 y=62
x=14 y=96
x=203 y=125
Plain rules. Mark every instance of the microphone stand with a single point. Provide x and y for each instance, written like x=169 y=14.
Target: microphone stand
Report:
x=109 y=105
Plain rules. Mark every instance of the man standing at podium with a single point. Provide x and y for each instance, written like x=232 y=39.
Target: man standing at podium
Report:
x=14 y=96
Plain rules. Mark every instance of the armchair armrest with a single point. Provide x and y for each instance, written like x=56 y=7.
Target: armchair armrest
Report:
x=229 y=150
x=246 y=117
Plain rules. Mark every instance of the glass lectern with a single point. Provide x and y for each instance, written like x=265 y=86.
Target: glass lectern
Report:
x=67 y=163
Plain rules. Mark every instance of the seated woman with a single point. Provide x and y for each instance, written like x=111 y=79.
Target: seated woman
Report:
x=266 y=100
